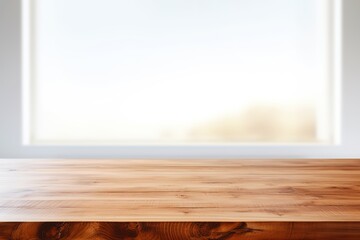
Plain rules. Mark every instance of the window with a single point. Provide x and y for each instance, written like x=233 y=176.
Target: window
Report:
x=16 y=105
x=179 y=72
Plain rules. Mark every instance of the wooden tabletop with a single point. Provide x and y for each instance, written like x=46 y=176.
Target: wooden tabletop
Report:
x=179 y=190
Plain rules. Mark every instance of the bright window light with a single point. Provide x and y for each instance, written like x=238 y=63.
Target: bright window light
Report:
x=178 y=71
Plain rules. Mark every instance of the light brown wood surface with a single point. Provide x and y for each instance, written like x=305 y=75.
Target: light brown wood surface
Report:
x=179 y=190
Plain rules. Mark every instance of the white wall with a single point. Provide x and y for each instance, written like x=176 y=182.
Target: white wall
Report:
x=10 y=106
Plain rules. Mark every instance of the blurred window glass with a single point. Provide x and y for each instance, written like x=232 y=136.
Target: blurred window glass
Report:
x=180 y=71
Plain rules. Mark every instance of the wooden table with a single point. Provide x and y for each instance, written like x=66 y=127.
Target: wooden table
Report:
x=180 y=199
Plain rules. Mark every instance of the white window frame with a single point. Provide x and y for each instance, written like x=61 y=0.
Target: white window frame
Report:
x=346 y=97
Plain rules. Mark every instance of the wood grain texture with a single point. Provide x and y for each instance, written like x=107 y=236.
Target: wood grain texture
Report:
x=179 y=231
x=53 y=190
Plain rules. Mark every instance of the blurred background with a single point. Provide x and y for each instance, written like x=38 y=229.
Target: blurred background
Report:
x=181 y=78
